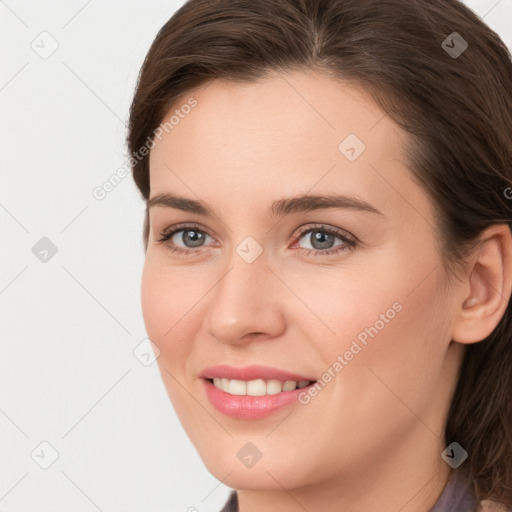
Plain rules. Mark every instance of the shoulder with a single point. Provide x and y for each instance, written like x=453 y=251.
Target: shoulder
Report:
x=492 y=506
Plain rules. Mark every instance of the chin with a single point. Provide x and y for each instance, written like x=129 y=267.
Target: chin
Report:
x=265 y=473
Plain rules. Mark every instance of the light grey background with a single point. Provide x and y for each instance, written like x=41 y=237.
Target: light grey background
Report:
x=70 y=324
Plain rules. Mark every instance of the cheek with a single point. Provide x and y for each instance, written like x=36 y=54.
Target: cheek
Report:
x=153 y=292
x=394 y=324
x=163 y=310
x=167 y=312
x=172 y=309
x=168 y=295
x=344 y=306
x=403 y=351
x=395 y=372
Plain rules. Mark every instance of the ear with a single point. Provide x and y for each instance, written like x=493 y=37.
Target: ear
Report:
x=489 y=283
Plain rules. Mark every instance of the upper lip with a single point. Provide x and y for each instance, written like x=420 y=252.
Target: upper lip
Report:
x=253 y=372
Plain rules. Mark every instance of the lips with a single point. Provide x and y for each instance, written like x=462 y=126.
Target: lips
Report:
x=253 y=372
x=251 y=404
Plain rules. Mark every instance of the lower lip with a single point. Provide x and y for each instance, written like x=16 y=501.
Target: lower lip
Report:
x=250 y=407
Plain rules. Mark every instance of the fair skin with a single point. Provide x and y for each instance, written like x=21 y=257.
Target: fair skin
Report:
x=372 y=438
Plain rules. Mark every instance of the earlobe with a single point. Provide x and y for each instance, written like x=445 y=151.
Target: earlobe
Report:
x=490 y=283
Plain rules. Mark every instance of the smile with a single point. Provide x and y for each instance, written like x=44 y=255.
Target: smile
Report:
x=258 y=387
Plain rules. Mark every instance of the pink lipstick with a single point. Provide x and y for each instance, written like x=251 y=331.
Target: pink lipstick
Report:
x=252 y=392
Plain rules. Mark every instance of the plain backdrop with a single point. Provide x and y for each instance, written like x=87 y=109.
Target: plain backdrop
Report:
x=85 y=421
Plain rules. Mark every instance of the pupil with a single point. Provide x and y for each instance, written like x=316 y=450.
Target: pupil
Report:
x=322 y=238
x=194 y=239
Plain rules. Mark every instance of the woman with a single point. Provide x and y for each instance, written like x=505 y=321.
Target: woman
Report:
x=328 y=262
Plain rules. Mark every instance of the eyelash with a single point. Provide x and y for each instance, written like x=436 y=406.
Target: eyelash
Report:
x=348 y=243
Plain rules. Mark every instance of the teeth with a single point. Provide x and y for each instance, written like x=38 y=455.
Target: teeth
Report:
x=258 y=387
x=289 y=385
x=237 y=387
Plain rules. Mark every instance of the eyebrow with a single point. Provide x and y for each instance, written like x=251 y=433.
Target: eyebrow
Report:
x=299 y=204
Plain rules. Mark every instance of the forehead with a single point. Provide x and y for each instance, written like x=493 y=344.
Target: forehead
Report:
x=282 y=135
x=279 y=110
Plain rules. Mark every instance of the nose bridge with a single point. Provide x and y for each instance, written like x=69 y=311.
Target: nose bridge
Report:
x=244 y=300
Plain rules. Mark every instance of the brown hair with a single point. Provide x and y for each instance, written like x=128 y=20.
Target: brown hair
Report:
x=457 y=111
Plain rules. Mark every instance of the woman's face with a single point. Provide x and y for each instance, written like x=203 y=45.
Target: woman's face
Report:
x=350 y=295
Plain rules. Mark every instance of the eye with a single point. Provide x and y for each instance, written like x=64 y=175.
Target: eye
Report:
x=191 y=236
x=321 y=240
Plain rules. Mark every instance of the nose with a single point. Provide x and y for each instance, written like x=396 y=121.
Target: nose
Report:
x=246 y=303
